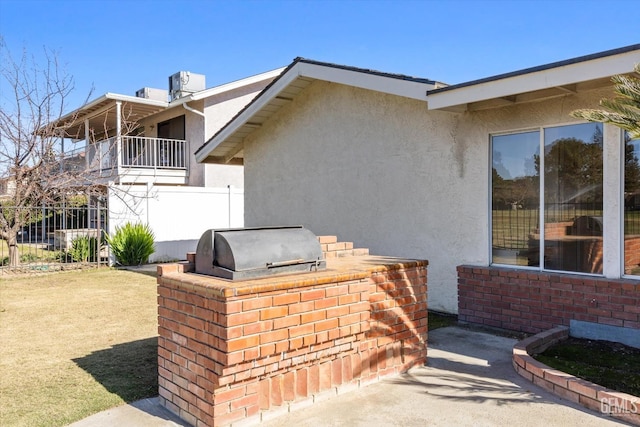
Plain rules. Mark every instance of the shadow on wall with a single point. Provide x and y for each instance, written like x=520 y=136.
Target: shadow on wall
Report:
x=129 y=370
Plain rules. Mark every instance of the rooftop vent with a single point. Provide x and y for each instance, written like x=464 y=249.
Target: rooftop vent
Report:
x=185 y=83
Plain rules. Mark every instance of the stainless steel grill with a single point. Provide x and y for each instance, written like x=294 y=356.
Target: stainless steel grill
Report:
x=246 y=253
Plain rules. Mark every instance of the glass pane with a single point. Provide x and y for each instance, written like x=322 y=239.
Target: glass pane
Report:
x=515 y=199
x=631 y=206
x=573 y=198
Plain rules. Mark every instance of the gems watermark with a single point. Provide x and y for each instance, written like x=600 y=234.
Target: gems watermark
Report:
x=613 y=406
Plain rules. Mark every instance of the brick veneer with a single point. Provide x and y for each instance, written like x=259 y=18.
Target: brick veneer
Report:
x=532 y=302
x=331 y=248
x=585 y=393
x=232 y=352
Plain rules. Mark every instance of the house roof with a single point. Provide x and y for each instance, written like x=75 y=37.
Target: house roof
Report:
x=528 y=85
x=536 y=83
x=101 y=111
x=227 y=145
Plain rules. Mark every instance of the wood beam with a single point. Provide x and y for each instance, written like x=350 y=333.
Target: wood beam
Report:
x=231 y=154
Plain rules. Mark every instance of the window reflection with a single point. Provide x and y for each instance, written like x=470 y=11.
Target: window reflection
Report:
x=515 y=197
x=573 y=198
x=572 y=182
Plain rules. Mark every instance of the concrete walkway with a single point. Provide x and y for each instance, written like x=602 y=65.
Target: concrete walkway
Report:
x=469 y=381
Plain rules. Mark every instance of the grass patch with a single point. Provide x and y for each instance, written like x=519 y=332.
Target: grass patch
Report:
x=74 y=344
x=612 y=365
x=441 y=320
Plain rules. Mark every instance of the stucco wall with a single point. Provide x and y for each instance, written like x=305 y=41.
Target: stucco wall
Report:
x=194 y=128
x=220 y=109
x=386 y=173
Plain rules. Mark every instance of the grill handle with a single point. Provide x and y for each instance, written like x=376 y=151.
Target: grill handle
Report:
x=283 y=263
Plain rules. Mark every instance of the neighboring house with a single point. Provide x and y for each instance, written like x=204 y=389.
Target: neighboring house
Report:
x=141 y=148
x=7 y=187
x=412 y=168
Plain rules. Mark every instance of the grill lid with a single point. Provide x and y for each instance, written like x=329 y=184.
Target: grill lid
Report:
x=244 y=253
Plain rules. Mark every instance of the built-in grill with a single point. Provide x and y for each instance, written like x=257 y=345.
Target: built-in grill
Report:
x=587 y=226
x=247 y=253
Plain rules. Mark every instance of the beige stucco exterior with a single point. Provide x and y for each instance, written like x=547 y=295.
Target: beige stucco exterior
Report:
x=385 y=172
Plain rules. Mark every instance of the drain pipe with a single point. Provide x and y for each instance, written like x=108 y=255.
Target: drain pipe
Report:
x=229 y=203
x=193 y=110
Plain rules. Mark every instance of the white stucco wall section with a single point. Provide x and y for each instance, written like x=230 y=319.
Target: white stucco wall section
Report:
x=384 y=172
x=219 y=110
x=613 y=216
x=375 y=169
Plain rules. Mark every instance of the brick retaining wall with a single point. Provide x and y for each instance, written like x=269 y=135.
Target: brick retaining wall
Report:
x=532 y=302
x=232 y=352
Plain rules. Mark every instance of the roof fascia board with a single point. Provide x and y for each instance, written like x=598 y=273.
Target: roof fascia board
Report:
x=264 y=98
x=230 y=86
x=553 y=77
x=109 y=96
x=364 y=80
x=137 y=100
x=300 y=68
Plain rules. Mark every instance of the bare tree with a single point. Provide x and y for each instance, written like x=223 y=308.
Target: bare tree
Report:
x=33 y=99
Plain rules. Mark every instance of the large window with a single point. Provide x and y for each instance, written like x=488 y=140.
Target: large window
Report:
x=553 y=174
x=631 y=206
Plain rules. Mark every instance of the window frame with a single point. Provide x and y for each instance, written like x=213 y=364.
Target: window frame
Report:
x=622 y=207
x=542 y=201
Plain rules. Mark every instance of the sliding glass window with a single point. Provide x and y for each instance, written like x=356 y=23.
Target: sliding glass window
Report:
x=631 y=206
x=563 y=165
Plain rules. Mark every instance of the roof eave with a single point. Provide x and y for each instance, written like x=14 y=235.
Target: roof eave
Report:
x=564 y=76
x=304 y=69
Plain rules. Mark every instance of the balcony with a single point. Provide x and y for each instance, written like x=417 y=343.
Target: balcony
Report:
x=134 y=159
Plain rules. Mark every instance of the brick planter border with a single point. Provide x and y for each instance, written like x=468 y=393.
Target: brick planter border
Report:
x=592 y=396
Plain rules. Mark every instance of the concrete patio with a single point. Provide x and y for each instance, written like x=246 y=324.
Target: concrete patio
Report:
x=469 y=381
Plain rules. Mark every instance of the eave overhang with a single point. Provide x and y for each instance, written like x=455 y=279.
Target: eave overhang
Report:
x=226 y=147
x=536 y=84
x=101 y=114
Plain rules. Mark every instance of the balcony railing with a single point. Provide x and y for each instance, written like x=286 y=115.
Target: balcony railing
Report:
x=133 y=152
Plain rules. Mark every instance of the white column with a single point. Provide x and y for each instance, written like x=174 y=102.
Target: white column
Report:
x=87 y=144
x=118 y=135
x=613 y=217
x=62 y=156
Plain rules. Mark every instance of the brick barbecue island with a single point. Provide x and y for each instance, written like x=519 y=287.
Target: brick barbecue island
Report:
x=234 y=353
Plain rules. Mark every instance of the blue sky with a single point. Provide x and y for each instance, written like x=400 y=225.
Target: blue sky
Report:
x=121 y=46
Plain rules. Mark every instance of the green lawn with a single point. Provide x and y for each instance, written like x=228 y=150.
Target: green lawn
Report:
x=74 y=344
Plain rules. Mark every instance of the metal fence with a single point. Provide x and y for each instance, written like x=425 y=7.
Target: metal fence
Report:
x=55 y=238
x=513 y=227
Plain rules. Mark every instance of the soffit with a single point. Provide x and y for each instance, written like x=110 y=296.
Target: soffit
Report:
x=231 y=150
x=101 y=114
x=536 y=84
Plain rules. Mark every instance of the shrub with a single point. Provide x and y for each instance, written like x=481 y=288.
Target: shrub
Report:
x=132 y=244
x=84 y=249
x=29 y=257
